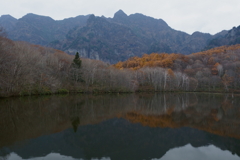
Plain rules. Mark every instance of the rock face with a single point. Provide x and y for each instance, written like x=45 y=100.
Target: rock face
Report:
x=101 y=38
x=108 y=39
x=121 y=37
x=230 y=37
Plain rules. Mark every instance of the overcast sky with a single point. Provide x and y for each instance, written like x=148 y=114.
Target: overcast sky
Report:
x=209 y=16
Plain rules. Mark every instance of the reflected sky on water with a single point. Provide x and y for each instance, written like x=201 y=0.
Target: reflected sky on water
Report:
x=202 y=153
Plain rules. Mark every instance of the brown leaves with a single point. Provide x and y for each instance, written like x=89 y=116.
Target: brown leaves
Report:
x=163 y=60
x=170 y=72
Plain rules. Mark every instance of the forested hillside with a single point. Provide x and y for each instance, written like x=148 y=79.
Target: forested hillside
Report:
x=211 y=70
x=28 y=69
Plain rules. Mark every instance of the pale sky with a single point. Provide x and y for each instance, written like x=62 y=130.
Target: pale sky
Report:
x=208 y=16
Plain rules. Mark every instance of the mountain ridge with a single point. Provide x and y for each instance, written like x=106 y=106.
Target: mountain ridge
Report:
x=149 y=34
x=137 y=34
x=230 y=37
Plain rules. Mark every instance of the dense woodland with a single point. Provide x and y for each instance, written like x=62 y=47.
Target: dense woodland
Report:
x=28 y=69
x=216 y=70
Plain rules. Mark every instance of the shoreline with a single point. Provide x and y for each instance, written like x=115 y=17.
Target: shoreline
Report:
x=114 y=92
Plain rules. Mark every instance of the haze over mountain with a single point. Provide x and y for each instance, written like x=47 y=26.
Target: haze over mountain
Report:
x=108 y=39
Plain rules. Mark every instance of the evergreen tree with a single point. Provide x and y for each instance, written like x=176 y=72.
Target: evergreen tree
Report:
x=77 y=61
x=75 y=68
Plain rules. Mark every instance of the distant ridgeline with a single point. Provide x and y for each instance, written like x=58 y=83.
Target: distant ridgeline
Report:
x=112 y=39
x=231 y=37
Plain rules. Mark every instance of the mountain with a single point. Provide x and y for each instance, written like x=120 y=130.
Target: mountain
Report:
x=121 y=37
x=8 y=22
x=230 y=37
x=39 y=29
x=163 y=38
x=101 y=39
x=34 y=29
x=108 y=39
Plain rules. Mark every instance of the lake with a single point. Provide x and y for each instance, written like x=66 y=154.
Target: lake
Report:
x=140 y=126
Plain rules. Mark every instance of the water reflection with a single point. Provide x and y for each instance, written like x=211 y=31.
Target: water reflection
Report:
x=51 y=156
x=75 y=123
x=202 y=153
x=147 y=126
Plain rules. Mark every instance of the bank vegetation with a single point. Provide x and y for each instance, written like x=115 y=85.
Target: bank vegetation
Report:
x=27 y=69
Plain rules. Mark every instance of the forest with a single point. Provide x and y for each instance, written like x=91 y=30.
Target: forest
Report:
x=27 y=69
x=214 y=70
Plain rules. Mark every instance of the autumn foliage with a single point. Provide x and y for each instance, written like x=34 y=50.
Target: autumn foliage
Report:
x=211 y=70
x=28 y=69
x=152 y=60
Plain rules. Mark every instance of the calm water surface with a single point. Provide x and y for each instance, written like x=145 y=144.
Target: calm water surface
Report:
x=121 y=127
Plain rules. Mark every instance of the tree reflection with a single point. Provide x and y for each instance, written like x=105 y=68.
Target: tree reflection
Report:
x=75 y=123
x=215 y=113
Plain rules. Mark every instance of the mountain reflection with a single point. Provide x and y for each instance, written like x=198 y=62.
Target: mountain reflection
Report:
x=133 y=126
x=51 y=156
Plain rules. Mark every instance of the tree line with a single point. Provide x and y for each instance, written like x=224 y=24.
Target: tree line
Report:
x=215 y=70
x=27 y=69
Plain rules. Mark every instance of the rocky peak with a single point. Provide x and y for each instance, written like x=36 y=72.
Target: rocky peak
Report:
x=96 y=21
x=120 y=17
x=120 y=14
x=234 y=32
x=231 y=37
x=91 y=19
